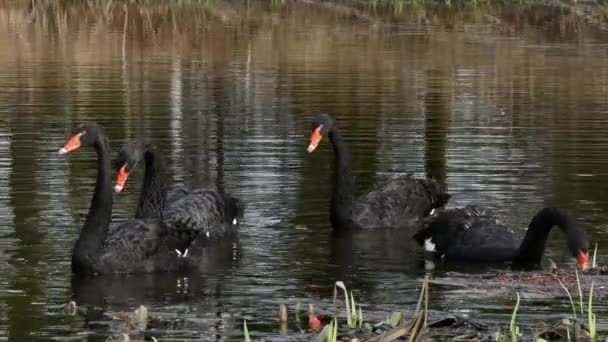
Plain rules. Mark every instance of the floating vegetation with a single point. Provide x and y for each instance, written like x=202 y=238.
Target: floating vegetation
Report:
x=349 y=324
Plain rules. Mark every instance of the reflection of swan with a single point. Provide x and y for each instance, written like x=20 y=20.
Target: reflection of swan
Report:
x=170 y=296
x=399 y=202
x=133 y=246
x=186 y=213
x=471 y=234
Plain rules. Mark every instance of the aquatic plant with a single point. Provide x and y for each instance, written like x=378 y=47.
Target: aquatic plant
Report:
x=514 y=329
x=354 y=318
x=569 y=297
x=593 y=260
x=580 y=292
x=330 y=332
x=591 y=315
x=246 y=332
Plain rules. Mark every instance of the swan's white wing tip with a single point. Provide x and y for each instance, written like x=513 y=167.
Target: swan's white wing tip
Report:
x=429 y=245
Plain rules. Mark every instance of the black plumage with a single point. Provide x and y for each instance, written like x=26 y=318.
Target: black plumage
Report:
x=399 y=202
x=207 y=213
x=474 y=235
x=133 y=246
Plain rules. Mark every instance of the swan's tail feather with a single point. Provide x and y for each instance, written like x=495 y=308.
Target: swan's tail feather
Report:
x=234 y=208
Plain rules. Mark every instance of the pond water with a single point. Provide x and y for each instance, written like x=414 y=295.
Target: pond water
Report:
x=514 y=119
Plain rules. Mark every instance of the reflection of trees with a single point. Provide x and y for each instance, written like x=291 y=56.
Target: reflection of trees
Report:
x=229 y=99
x=437 y=103
x=28 y=276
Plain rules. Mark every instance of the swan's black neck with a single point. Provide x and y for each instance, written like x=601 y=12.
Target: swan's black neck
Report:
x=154 y=191
x=342 y=198
x=98 y=219
x=532 y=248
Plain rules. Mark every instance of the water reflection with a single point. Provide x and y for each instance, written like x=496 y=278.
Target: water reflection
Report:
x=512 y=121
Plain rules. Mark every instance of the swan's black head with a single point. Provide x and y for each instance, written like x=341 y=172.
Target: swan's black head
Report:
x=128 y=158
x=84 y=135
x=576 y=237
x=322 y=125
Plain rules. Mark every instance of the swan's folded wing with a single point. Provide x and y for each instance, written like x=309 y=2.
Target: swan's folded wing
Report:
x=132 y=243
x=397 y=202
x=469 y=233
x=207 y=212
x=177 y=192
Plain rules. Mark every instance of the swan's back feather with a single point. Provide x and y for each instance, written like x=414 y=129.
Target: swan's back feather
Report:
x=176 y=193
x=398 y=202
x=468 y=234
x=203 y=212
x=138 y=246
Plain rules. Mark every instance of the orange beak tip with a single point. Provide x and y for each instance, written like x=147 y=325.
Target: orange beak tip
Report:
x=121 y=179
x=71 y=145
x=583 y=261
x=315 y=139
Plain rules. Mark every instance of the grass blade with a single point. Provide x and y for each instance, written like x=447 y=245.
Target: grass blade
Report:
x=593 y=263
x=512 y=327
x=353 y=312
x=569 y=297
x=341 y=285
x=591 y=316
x=246 y=332
x=580 y=293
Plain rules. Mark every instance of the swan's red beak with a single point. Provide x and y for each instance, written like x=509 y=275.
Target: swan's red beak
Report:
x=72 y=144
x=121 y=179
x=315 y=139
x=583 y=260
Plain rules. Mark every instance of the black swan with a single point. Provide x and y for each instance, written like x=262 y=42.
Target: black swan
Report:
x=213 y=213
x=400 y=202
x=474 y=235
x=130 y=247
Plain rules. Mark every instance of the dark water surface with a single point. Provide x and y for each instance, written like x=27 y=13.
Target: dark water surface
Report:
x=515 y=120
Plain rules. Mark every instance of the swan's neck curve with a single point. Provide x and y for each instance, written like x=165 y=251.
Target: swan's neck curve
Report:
x=342 y=197
x=95 y=227
x=153 y=195
x=533 y=246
